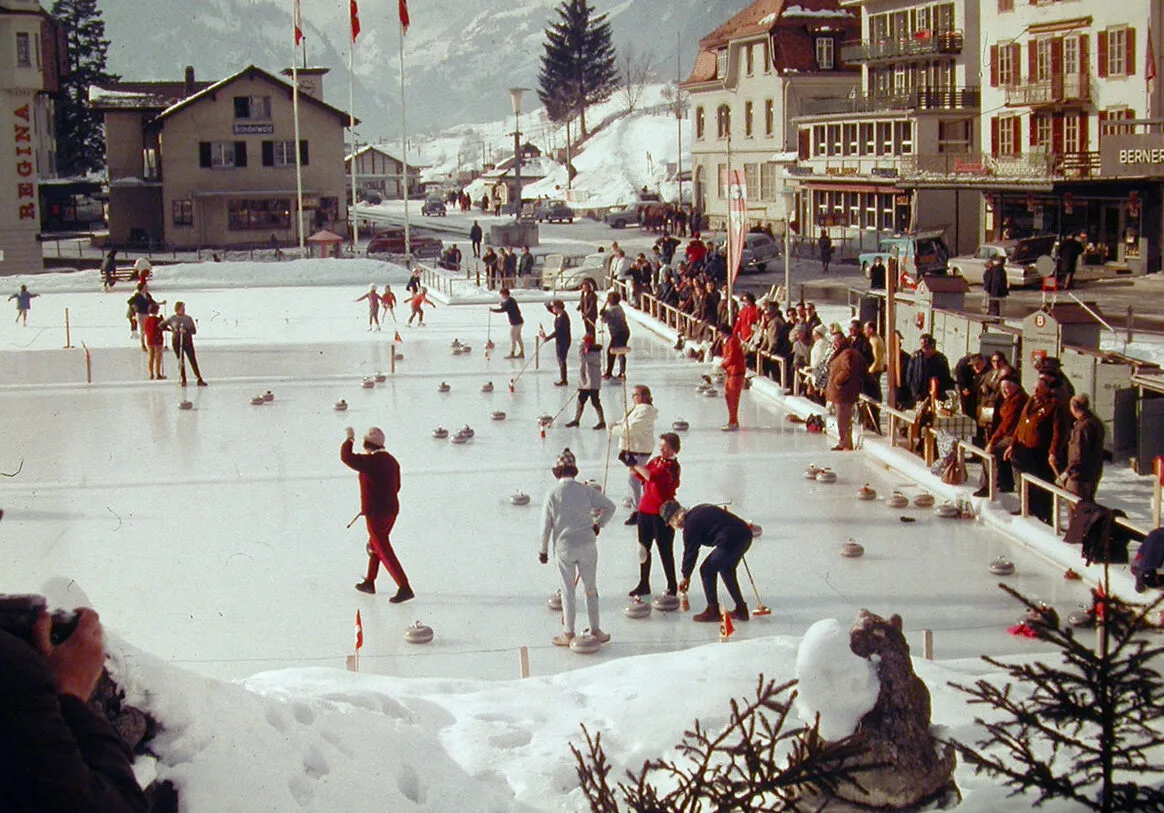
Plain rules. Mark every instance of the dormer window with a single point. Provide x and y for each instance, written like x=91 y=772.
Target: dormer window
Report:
x=721 y=63
x=824 y=53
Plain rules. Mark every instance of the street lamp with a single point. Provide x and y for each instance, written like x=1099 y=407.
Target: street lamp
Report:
x=515 y=95
x=788 y=193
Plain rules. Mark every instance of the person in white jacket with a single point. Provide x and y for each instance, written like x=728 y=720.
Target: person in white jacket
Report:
x=636 y=434
x=572 y=516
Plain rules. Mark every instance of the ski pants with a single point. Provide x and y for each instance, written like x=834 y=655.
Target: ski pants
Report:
x=379 y=532
x=653 y=529
x=578 y=562
x=733 y=387
x=722 y=563
x=184 y=352
x=636 y=485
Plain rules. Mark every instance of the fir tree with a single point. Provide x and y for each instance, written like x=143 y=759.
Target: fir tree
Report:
x=80 y=138
x=579 y=66
x=1088 y=730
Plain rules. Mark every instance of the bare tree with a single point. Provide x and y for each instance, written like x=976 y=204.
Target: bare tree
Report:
x=635 y=71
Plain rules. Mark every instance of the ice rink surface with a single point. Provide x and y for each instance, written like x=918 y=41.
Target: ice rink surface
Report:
x=215 y=538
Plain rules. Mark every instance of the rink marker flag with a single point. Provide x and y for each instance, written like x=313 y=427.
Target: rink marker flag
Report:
x=355 y=15
x=726 y=628
x=404 y=19
x=359 y=632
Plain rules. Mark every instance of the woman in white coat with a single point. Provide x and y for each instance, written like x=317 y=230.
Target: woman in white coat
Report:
x=636 y=434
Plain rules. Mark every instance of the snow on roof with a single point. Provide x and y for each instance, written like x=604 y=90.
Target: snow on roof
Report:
x=801 y=11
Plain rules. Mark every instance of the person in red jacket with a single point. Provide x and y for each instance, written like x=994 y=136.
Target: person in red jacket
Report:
x=734 y=367
x=660 y=478
x=379 y=487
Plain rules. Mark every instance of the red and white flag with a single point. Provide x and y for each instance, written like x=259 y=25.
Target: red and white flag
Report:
x=297 y=21
x=1150 y=65
x=404 y=21
x=738 y=206
x=359 y=632
x=726 y=628
x=355 y=13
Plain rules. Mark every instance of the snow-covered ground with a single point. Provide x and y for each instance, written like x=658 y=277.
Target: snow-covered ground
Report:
x=213 y=543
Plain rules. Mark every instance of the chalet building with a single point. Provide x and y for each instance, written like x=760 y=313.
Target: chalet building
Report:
x=379 y=170
x=194 y=165
x=32 y=60
x=917 y=106
x=770 y=63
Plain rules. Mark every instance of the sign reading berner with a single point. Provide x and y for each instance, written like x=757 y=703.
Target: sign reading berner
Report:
x=1133 y=155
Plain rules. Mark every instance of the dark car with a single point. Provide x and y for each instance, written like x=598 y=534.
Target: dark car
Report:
x=391 y=241
x=434 y=207
x=554 y=211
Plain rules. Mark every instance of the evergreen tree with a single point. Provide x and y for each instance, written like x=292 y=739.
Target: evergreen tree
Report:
x=579 y=66
x=1088 y=730
x=80 y=138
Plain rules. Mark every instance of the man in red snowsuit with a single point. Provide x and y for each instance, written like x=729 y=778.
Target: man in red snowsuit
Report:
x=379 y=486
x=734 y=368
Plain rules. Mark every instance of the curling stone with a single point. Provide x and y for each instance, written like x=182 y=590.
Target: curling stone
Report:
x=852 y=549
x=368 y=383
x=897 y=500
x=924 y=500
x=466 y=349
x=594 y=484
x=555 y=602
x=340 y=405
x=1081 y=618
x=680 y=426
x=487 y=386
x=418 y=633
x=440 y=433
x=443 y=387
x=545 y=420
x=1002 y=566
x=947 y=510
x=498 y=416
x=711 y=392
x=258 y=400
x=703 y=388
x=811 y=472
x=456 y=343
x=627 y=502
x=637 y=609
x=585 y=644
x=457 y=350
x=459 y=438
x=826 y=475
x=400 y=357
x=718 y=376
x=268 y=396
x=865 y=493
x=380 y=377
x=519 y=498
x=666 y=603
x=185 y=405
x=757 y=531
x=467 y=431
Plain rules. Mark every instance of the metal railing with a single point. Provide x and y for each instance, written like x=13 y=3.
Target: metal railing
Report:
x=954 y=98
x=1059 y=497
x=924 y=43
x=1062 y=88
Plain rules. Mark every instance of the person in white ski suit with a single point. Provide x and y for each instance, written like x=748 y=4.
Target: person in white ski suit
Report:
x=636 y=434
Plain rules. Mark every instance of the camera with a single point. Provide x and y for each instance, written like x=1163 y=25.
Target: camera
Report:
x=18 y=614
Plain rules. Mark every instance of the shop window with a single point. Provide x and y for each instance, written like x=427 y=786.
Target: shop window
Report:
x=265 y=215
x=183 y=212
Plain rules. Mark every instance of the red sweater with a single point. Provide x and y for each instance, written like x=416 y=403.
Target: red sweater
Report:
x=379 y=480
x=745 y=321
x=661 y=486
x=733 y=357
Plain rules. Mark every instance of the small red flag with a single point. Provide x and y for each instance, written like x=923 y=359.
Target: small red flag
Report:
x=404 y=21
x=1150 y=67
x=297 y=21
x=355 y=11
x=359 y=632
x=397 y=338
x=726 y=628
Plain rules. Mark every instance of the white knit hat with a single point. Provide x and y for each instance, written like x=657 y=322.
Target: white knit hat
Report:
x=375 y=437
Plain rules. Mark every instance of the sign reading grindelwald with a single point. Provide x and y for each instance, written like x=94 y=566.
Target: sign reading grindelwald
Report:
x=1136 y=156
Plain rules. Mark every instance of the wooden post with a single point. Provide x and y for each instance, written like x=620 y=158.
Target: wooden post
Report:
x=1157 y=486
x=524 y=655
x=1131 y=323
x=538 y=352
x=88 y=365
x=892 y=349
x=68 y=340
x=392 y=348
x=928 y=644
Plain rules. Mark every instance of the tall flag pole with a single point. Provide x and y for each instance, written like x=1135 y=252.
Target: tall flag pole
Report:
x=297 y=22
x=404 y=23
x=355 y=20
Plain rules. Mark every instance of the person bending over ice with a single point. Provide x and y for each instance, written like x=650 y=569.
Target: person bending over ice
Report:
x=728 y=535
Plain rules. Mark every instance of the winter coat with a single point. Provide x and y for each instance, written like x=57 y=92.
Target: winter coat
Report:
x=588 y=306
x=922 y=368
x=745 y=322
x=561 y=334
x=183 y=328
x=1085 y=451
x=615 y=319
x=1040 y=426
x=1006 y=417
x=56 y=754
x=880 y=356
x=590 y=369
x=660 y=486
x=475 y=234
x=994 y=281
x=636 y=432
x=714 y=527
x=525 y=264
x=570 y=514
x=846 y=375
x=733 y=357
x=511 y=310
x=379 y=480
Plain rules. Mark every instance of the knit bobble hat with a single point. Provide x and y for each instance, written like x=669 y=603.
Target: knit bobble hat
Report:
x=375 y=437
x=566 y=460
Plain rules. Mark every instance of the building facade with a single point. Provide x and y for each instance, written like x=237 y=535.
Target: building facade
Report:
x=31 y=63
x=753 y=75
x=379 y=170
x=215 y=165
x=919 y=102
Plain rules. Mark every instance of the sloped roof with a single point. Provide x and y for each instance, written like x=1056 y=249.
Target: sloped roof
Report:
x=1070 y=313
x=249 y=71
x=140 y=95
x=380 y=148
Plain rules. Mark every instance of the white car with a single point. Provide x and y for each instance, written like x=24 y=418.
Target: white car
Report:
x=567 y=272
x=1019 y=257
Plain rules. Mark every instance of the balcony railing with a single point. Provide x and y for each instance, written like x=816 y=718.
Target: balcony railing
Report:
x=965 y=98
x=924 y=43
x=970 y=166
x=1056 y=90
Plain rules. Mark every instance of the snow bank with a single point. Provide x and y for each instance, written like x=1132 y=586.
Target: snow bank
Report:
x=834 y=683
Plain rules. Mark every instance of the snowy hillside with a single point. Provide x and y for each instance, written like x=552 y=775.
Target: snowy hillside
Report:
x=461 y=57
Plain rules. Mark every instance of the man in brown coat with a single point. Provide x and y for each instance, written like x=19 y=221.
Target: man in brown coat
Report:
x=1084 y=451
x=1012 y=399
x=846 y=377
x=1040 y=432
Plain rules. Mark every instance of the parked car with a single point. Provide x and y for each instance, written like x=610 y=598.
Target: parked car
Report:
x=623 y=216
x=759 y=249
x=391 y=241
x=567 y=272
x=553 y=211
x=434 y=207
x=1019 y=260
x=917 y=255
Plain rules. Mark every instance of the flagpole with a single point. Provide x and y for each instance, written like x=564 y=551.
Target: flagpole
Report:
x=297 y=23
x=404 y=155
x=352 y=235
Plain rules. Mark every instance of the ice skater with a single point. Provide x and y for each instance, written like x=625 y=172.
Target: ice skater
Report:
x=417 y=304
x=155 y=341
x=730 y=537
x=23 y=299
x=509 y=307
x=615 y=319
x=374 y=301
x=388 y=302
x=379 y=505
x=183 y=328
x=636 y=434
x=589 y=380
x=660 y=478
x=572 y=516
x=561 y=337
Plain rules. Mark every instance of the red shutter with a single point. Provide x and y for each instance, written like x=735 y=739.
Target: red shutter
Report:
x=1056 y=58
x=994 y=136
x=1016 y=69
x=1057 y=133
x=1084 y=120
x=1017 y=124
x=1131 y=114
x=1032 y=61
x=802 y=143
x=1101 y=53
x=994 y=66
x=1130 y=60
x=1084 y=57
x=1033 y=137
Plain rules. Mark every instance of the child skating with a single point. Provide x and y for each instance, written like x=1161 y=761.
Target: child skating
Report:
x=23 y=299
x=417 y=304
x=374 y=301
x=388 y=302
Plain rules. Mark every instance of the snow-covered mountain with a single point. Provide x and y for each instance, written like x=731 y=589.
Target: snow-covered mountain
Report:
x=461 y=55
